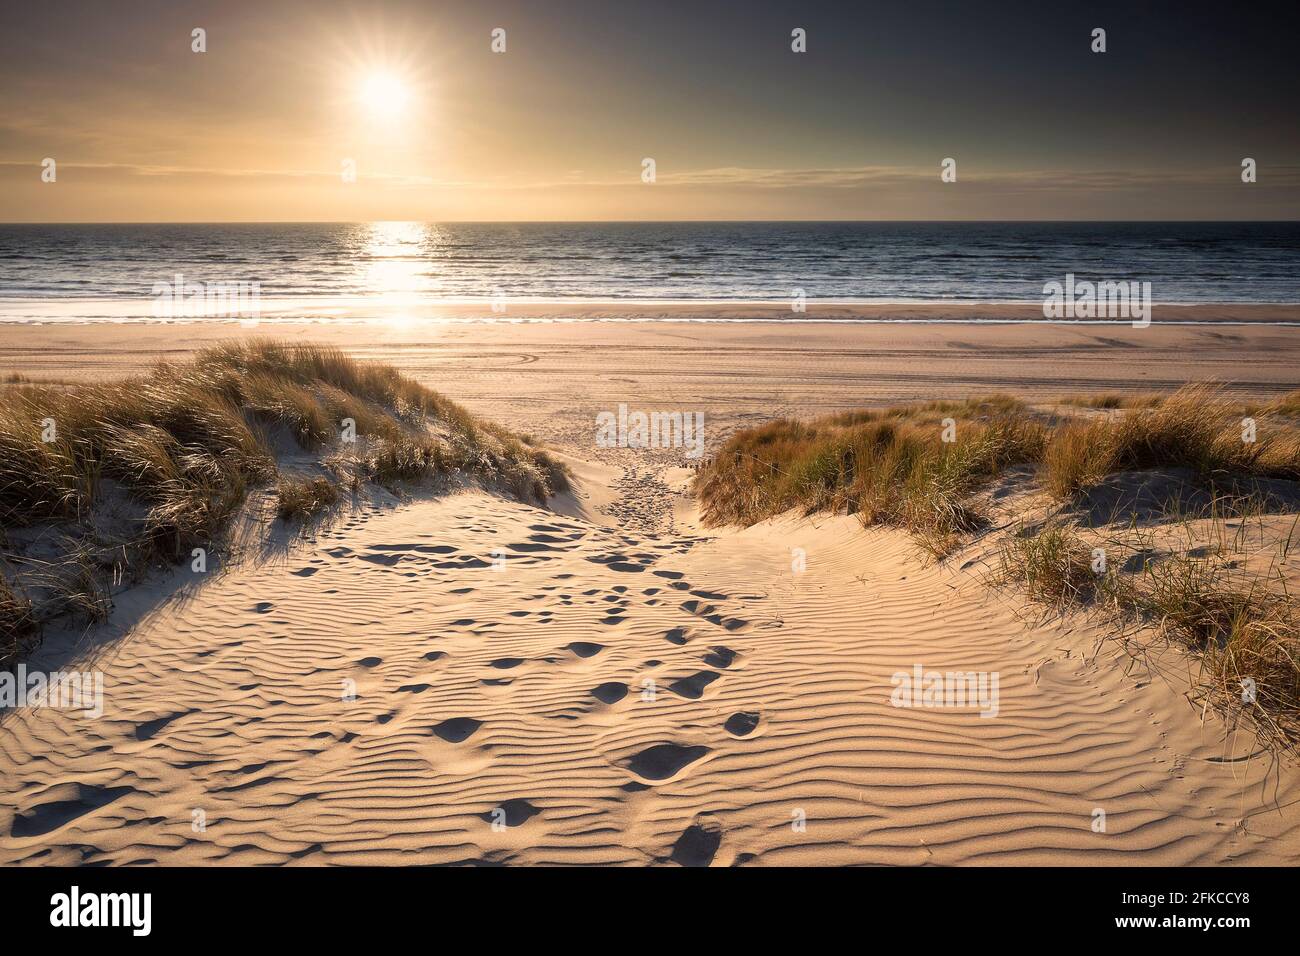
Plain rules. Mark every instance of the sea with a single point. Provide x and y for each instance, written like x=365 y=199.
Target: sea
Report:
x=74 y=270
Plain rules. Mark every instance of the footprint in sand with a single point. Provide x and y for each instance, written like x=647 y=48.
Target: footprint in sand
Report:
x=742 y=723
x=512 y=813
x=617 y=562
x=610 y=693
x=709 y=612
x=698 y=844
x=663 y=761
x=720 y=656
x=692 y=687
x=454 y=730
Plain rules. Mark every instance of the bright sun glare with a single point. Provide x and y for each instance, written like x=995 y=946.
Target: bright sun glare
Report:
x=383 y=94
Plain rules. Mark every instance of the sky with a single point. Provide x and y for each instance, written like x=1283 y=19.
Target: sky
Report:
x=263 y=125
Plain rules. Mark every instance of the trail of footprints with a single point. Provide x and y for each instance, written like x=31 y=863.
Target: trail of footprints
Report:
x=690 y=661
x=446 y=708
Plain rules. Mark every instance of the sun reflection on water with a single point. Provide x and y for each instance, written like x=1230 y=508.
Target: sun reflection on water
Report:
x=395 y=260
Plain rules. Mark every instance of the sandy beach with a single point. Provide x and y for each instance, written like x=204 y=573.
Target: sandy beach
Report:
x=548 y=369
x=468 y=679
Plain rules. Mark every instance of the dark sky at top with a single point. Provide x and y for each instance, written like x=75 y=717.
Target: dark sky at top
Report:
x=740 y=127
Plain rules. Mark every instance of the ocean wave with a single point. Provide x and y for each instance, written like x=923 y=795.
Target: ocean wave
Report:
x=1223 y=262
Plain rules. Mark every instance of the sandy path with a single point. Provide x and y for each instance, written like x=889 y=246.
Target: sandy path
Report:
x=619 y=696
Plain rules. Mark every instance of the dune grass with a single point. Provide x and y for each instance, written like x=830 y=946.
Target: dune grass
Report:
x=18 y=623
x=1195 y=428
x=895 y=466
x=891 y=467
x=1114 y=400
x=1244 y=635
x=185 y=444
x=298 y=499
x=1288 y=404
x=1053 y=566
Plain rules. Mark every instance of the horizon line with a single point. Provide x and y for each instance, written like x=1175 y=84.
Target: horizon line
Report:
x=490 y=222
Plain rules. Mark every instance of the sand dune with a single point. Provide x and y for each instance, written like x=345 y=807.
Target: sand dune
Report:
x=615 y=695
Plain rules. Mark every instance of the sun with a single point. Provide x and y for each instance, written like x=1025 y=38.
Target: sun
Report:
x=383 y=94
